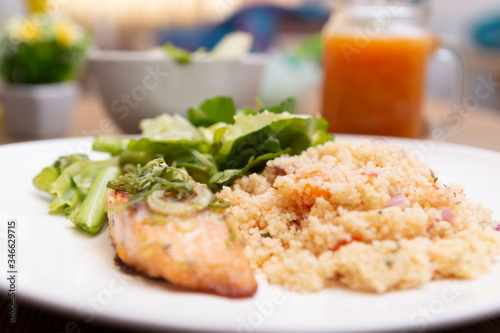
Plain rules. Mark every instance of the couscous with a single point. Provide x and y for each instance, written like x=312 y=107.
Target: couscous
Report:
x=366 y=215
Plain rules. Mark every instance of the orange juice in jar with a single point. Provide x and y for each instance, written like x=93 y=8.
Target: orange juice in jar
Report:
x=375 y=62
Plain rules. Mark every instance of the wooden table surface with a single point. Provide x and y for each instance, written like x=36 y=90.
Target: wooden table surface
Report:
x=480 y=128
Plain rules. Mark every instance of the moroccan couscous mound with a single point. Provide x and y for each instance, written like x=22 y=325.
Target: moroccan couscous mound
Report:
x=367 y=215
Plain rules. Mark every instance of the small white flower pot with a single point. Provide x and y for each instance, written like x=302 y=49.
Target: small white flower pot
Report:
x=38 y=110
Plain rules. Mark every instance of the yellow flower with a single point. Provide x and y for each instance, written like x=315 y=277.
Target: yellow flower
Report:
x=28 y=32
x=65 y=33
x=38 y=6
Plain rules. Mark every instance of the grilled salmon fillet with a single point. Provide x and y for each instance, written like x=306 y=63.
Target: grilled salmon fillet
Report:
x=199 y=251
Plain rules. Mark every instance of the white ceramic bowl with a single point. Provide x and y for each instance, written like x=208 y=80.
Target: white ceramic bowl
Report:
x=142 y=84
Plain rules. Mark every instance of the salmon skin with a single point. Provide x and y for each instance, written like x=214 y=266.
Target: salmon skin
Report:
x=200 y=251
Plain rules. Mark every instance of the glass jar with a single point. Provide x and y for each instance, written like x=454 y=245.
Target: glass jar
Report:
x=375 y=63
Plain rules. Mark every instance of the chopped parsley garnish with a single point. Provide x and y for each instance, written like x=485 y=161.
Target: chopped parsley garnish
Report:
x=434 y=178
x=232 y=234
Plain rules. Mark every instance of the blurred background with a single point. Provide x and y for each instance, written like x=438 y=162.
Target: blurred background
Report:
x=285 y=31
x=275 y=24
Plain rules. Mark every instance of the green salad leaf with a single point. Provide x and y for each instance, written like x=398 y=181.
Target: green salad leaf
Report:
x=245 y=112
x=180 y=55
x=214 y=147
x=243 y=125
x=224 y=177
x=73 y=184
x=110 y=144
x=170 y=128
x=279 y=134
x=49 y=174
x=212 y=111
x=194 y=156
x=69 y=180
x=219 y=143
x=288 y=105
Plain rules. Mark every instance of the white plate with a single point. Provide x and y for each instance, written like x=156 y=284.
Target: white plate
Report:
x=62 y=267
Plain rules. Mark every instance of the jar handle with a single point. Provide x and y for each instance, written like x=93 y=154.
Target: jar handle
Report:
x=453 y=50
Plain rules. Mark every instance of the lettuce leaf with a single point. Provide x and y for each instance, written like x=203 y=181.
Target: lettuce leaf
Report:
x=225 y=177
x=73 y=184
x=114 y=145
x=281 y=134
x=48 y=175
x=219 y=143
x=288 y=105
x=245 y=125
x=212 y=111
x=194 y=156
x=222 y=110
x=68 y=181
x=170 y=128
